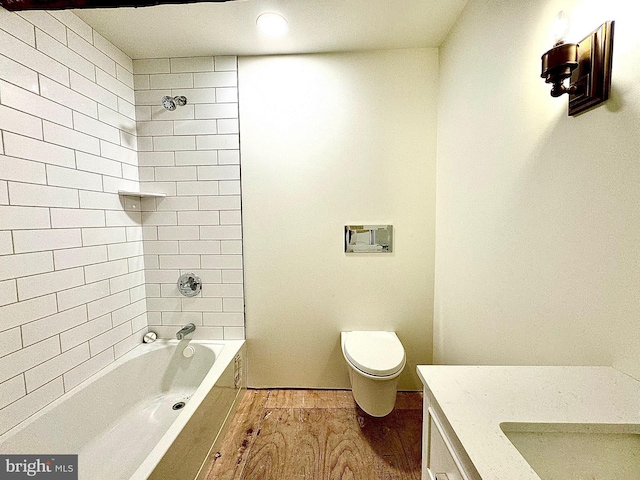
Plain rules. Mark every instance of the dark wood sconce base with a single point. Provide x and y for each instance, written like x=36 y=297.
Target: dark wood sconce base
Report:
x=593 y=75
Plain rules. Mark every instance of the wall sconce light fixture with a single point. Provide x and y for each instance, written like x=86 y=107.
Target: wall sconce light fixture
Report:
x=583 y=70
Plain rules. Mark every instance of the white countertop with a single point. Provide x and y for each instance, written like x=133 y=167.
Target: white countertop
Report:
x=477 y=399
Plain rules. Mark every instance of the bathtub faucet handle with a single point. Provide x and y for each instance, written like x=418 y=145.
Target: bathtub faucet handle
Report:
x=186 y=330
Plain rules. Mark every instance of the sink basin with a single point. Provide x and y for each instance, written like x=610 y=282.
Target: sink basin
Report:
x=570 y=451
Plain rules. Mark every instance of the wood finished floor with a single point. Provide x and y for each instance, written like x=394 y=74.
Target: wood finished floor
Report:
x=318 y=435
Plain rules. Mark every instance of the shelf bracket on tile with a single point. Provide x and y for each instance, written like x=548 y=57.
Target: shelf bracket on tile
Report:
x=125 y=193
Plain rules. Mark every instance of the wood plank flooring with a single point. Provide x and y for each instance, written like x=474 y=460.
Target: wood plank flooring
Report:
x=318 y=435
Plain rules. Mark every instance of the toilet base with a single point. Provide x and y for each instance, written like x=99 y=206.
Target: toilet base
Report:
x=375 y=397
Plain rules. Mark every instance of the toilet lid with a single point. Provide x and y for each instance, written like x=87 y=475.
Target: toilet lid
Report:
x=375 y=353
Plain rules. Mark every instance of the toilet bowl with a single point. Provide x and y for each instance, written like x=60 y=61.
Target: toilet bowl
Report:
x=375 y=359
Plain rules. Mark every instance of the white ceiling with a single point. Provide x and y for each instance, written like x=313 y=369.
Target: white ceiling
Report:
x=228 y=28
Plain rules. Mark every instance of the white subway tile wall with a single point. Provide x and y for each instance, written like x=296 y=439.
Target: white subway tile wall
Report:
x=192 y=155
x=72 y=283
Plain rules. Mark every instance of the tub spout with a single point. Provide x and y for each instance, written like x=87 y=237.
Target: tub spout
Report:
x=187 y=329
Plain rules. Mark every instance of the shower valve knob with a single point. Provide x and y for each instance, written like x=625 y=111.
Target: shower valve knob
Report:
x=189 y=284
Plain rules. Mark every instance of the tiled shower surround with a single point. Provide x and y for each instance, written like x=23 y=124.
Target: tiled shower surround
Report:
x=72 y=269
x=191 y=154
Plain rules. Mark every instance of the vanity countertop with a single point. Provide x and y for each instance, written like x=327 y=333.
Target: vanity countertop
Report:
x=477 y=399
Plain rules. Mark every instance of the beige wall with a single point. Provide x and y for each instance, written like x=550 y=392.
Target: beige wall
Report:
x=538 y=231
x=329 y=140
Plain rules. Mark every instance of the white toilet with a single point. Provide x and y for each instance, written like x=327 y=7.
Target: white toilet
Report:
x=375 y=359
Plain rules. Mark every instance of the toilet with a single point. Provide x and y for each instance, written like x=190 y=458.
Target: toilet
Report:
x=375 y=359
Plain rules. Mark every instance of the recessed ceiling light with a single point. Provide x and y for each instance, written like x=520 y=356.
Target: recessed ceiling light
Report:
x=272 y=24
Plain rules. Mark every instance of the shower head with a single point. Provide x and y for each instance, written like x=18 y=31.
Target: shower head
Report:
x=171 y=103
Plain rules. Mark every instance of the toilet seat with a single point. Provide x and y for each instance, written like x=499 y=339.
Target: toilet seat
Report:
x=376 y=353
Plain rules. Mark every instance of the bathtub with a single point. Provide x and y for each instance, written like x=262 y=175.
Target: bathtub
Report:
x=154 y=413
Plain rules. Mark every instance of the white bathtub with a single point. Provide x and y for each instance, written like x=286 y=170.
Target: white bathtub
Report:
x=121 y=422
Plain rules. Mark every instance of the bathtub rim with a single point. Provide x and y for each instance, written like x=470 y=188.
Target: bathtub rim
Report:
x=230 y=349
x=223 y=357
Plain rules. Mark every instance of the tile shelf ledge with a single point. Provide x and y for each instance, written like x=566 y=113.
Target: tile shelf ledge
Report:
x=126 y=193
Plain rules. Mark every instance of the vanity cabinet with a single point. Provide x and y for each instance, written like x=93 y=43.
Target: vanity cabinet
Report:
x=443 y=457
x=528 y=423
